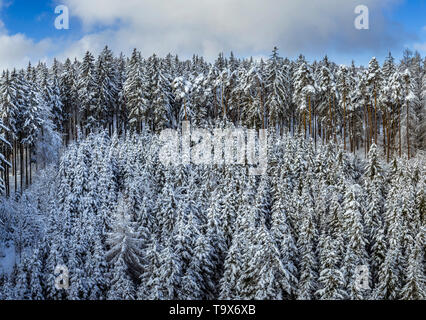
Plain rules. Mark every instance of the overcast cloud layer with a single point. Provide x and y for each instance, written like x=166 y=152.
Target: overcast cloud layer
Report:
x=207 y=27
x=249 y=27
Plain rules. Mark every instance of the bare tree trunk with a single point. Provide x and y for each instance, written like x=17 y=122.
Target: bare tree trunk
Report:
x=22 y=165
x=330 y=124
x=375 y=115
x=335 y=120
x=344 y=120
x=15 y=156
x=370 y=116
x=304 y=121
x=408 y=136
x=31 y=171
x=13 y=159
x=400 y=138
x=26 y=167
x=310 y=116
x=388 y=138
x=7 y=180
x=384 y=132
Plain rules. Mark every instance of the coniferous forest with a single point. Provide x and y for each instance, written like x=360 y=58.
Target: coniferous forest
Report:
x=82 y=184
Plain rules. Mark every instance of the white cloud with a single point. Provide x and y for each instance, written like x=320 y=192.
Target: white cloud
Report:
x=17 y=50
x=248 y=27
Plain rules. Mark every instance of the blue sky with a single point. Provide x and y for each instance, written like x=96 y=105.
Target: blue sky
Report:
x=248 y=27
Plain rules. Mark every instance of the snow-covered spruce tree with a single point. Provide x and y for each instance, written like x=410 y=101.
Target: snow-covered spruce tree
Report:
x=355 y=110
x=87 y=94
x=386 y=103
x=282 y=233
x=263 y=203
x=201 y=271
x=232 y=271
x=158 y=92
x=374 y=210
x=397 y=94
x=185 y=235
x=374 y=80
x=229 y=187
x=58 y=113
x=264 y=275
x=327 y=94
x=133 y=92
x=186 y=241
x=150 y=282
x=303 y=93
x=411 y=219
x=336 y=222
x=166 y=280
x=203 y=101
x=21 y=286
x=182 y=91
x=237 y=260
x=275 y=280
x=277 y=98
x=122 y=287
x=308 y=263
x=355 y=255
x=163 y=99
x=10 y=114
x=4 y=163
x=107 y=90
x=215 y=226
x=108 y=189
x=389 y=272
x=345 y=84
x=251 y=112
x=167 y=204
x=414 y=288
x=331 y=280
x=409 y=118
x=69 y=94
x=124 y=255
x=96 y=269
x=138 y=187
x=35 y=271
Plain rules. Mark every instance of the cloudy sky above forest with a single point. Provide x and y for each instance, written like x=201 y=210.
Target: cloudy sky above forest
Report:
x=207 y=27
